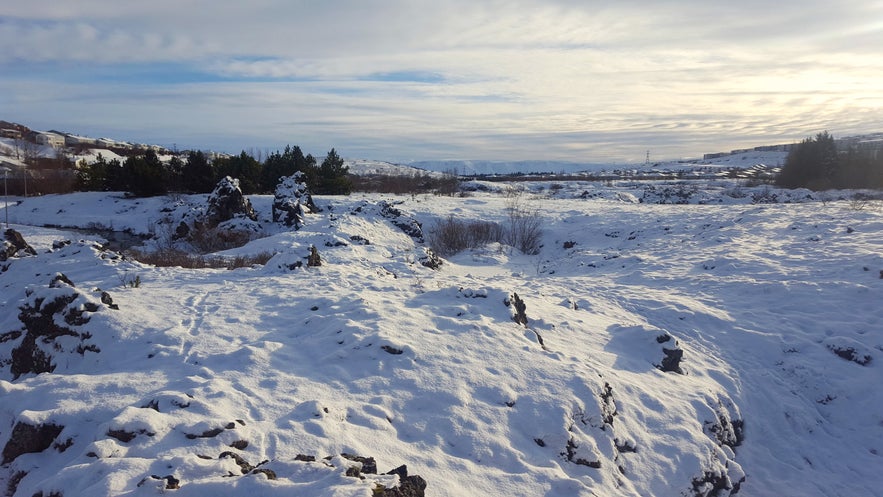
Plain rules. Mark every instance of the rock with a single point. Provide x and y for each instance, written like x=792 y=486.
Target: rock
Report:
x=850 y=354
x=409 y=486
x=608 y=406
x=60 y=279
x=14 y=245
x=227 y=202
x=244 y=465
x=430 y=259
x=269 y=473
x=26 y=439
x=43 y=323
x=107 y=300
x=240 y=444
x=519 y=308
x=672 y=357
x=171 y=483
x=715 y=484
x=671 y=363
x=182 y=231
x=391 y=350
x=409 y=225
x=292 y=200
x=313 y=260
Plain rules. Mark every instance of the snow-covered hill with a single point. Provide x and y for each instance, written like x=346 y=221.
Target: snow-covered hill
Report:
x=366 y=167
x=668 y=350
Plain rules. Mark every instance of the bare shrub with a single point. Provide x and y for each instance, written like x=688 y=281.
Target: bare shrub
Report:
x=449 y=236
x=446 y=184
x=207 y=240
x=484 y=232
x=525 y=231
x=859 y=201
x=186 y=260
x=452 y=235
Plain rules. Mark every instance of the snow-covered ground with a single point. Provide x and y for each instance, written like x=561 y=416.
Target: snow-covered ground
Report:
x=223 y=380
x=743 y=160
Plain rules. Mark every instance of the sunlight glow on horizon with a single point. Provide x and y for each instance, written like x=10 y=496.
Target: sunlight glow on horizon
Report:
x=437 y=80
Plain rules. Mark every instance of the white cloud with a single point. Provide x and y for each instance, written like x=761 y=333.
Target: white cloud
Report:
x=524 y=78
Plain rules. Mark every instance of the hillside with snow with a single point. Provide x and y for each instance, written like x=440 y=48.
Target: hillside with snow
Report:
x=707 y=339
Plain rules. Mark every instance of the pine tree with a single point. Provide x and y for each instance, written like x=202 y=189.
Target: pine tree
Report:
x=144 y=175
x=243 y=167
x=197 y=175
x=812 y=163
x=334 y=176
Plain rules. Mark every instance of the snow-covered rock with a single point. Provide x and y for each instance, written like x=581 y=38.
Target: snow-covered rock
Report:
x=292 y=201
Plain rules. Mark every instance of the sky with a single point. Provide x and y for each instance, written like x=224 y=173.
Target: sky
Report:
x=408 y=80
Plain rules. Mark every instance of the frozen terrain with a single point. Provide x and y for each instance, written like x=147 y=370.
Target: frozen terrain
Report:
x=729 y=344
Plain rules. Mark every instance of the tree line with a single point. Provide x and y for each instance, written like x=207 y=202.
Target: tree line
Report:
x=146 y=175
x=817 y=163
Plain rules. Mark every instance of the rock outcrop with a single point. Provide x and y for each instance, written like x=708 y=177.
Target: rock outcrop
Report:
x=14 y=245
x=51 y=324
x=227 y=202
x=292 y=200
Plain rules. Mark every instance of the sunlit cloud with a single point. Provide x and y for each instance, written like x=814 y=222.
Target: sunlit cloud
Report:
x=409 y=80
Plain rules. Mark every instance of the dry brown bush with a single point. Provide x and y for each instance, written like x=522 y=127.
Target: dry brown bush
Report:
x=179 y=258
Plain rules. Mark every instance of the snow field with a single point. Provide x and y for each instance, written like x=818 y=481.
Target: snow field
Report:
x=376 y=355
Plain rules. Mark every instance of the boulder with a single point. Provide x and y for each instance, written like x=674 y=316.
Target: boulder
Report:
x=227 y=202
x=407 y=224
x=292 y=200
x=26 y=439
x=50 y=325
x=14 y=245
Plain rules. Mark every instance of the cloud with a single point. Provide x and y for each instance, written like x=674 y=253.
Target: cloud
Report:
x=517 y=79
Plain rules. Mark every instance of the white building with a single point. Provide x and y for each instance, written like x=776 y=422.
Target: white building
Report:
x=51 y=139
x=74 y=140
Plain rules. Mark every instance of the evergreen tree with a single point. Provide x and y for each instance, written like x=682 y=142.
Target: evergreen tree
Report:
x=334 y=176
x=243 y=167
x=114 y=180
x=93 y=177
x=812 y=164
x=175 y=175
x=197 y=176
x=144 y=175
x=279 y=165
x=860 y=168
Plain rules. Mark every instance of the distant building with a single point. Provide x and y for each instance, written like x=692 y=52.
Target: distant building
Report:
x=51 y=139
x=10 y=133
x=74 y=140
x=715 y=155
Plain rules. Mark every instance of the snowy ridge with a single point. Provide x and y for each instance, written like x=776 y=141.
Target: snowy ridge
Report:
x=366 y=167
x=229 y=381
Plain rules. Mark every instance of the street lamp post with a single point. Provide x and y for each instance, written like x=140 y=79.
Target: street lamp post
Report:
x=6 y=196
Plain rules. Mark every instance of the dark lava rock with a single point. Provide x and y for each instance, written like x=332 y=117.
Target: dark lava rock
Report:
x=850 y=354
x=313 y=260
x=26 y=439
x=407 y=224
x=227 y=202
x=14 y=245
x=292 y=200
x=671 y=363
x=519 y=307
x=43 y=320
